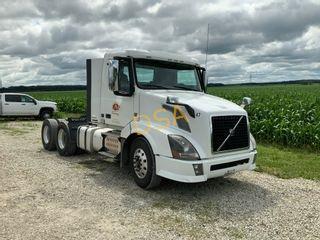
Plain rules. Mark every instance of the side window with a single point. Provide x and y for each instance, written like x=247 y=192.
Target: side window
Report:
x=26 y=99
x=13 y=98
x=124 y=78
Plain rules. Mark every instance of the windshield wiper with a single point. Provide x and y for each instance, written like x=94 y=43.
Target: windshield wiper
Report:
x=185 y=88
x=155 y=86
x=150 y=86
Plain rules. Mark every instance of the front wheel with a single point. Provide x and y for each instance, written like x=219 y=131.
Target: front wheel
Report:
x=143 y=164
x=45 y=114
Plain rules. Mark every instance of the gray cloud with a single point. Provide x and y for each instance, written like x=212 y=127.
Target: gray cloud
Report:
x=278 y=21
x=77 y=10
x=47 y=42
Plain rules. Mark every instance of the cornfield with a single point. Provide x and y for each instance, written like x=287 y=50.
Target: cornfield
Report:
x=288 y=115
x=67 y=101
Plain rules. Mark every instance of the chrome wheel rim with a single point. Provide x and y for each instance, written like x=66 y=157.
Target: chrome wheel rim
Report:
x=62 y=139
x=46 y=134
x=140 y=163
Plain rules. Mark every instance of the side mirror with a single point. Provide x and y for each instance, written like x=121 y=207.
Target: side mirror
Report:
x=35 y=102
x=113 y=70
x=204 y=79
x=245 y=102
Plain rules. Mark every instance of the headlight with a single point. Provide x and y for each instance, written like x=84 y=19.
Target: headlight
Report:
x=181 y=148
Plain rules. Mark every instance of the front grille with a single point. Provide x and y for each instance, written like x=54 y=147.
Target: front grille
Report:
x=221 y=128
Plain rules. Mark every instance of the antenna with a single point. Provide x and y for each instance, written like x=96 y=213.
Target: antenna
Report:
x=207 y=46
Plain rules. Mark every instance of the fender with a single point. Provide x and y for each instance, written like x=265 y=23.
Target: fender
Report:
x=156 y=136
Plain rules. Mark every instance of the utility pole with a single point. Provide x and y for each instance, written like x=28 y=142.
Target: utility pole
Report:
x=207 y=45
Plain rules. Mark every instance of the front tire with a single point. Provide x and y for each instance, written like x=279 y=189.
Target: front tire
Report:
x=65 y=145
x=142 y=163
x=45 y=114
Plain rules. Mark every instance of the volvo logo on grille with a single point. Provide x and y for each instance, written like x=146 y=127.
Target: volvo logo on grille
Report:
x=231 y=132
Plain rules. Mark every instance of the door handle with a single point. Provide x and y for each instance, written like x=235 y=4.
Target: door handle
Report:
x=23 y=104
x=6 y=104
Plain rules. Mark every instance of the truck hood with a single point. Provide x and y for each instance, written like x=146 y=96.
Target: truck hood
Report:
x=46 y=103
x=200 y=101
x=205 y=107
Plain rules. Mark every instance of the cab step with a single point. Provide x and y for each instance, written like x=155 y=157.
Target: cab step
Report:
x=107 y=154
x=110 y=156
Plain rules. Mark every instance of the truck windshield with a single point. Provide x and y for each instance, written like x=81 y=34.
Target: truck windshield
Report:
x=153 y=74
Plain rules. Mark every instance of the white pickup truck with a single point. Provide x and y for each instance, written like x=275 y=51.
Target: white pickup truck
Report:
x=23 y=105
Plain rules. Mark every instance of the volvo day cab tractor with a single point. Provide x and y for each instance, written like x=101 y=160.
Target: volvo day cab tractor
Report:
x=23 y=105
x=150 y=111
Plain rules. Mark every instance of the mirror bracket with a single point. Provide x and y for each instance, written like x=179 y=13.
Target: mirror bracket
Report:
x=246 y=101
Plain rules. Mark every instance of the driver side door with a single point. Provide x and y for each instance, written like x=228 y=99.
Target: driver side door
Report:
x=29 y=106
x=120 y=105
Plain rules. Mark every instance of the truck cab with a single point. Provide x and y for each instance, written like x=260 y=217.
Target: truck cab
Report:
x=150 y=110
x=23 y=105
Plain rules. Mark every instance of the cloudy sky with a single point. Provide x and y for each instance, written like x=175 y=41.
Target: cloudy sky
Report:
x=47 y=42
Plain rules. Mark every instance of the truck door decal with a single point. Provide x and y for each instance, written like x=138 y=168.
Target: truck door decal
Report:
x=115 y=107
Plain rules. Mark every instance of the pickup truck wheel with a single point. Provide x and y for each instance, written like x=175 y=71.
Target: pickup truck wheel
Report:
x=45 y=114
x=143 y=164
x=49 y=133
x=64 y=143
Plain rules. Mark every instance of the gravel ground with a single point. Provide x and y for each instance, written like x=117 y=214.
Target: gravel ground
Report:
x=45 y=196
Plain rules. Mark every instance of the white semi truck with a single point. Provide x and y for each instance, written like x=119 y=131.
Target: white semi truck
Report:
x=150 y=110
x=23 y=105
